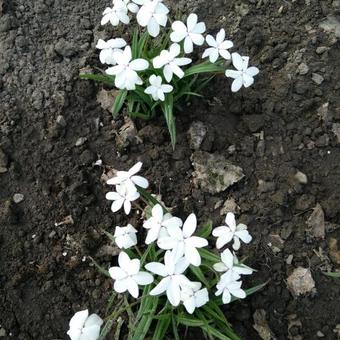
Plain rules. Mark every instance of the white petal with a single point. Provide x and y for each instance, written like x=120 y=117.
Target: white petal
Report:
x=90 y=333
x=175 y=232
x=152 y=235
x=228 y=258
x=192 y=21
x=192 y=256
x=188 y=45
x=244 y=236
x=94 y=320
x=239 y=293
x=160 y=95
x=140 y=181
x=133 y=8
x=127 y=207
x=237 y=61
x=237 y=243
x=207 y=52
x=177 y=70
x=181 y=266
x=78 y=319
x=153 y=27
x=117 y=273
x=252 y=71
x=226 y=298
x=247 y=80
x=173 y=293
x=220 y=267
x=233 y=74
x=197 y=242
x=223 y=240
x=182 y=61
x=214 y=56
x=161 y=287
x=167 y=243
x=167 y=88
x=120 y=286
x=116 y=205
x=178 y=36
x=157 y=268
x=220 y=36
x=230 y=221
x=197 y=39
x=172 y=222
x=143 y=278
x=161 y=19
x=190 y=305
x=189 y=225
x=179 y=27
x=226 y=44
x=199 y=28
x=201 y=297
x=157 y=212
x=225 y=54
x=143 y=17
x=211 y=41
x=113 y=196
x=168 y=73
x=132 y=287
x=175 y=50
x=134 y=267
x=124 y=260
x=219 y=231
x=236 y=85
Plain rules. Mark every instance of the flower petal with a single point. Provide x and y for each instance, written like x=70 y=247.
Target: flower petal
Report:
x=197 y=242
x=237 y=61
x=233 y=74
x=192 y=21
x=116 y=205
x=143 y=278
x=188 y=45
x=211 y=41
x=120 y=286
x=173 y=293
x=220 y=36
x=201 y=297
x=252 y=71
x=132 y=287
x=244 y=235
x=228 y=258
x=78 y=319
x=189 y=225
x=190 y=305
x=124 y=261
x=94 y=320
x=192 y=256
x=90 y=333
x=140 y=181
x=134 y=267
x=153 y=27
x=157 y=268
x=117 y=273
x=161 y=287
x=157 y=212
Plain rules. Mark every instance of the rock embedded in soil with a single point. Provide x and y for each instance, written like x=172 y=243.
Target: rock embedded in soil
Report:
x=301 y=177
x=65 y=48
x=196 y=134
x=106 y=99
x=316 y=222
x=301 y=282
x=81 y=141
x=317 y=78
x=213 y=172
x=18 y=198
x=336 y=131
x=3 y=162
x=334 y=251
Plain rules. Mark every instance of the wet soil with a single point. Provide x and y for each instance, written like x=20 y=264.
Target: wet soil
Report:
x=52 y=130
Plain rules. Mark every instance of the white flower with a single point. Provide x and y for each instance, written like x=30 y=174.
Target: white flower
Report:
x=168 y=59
x=157 y=89
x=244 y=76
x=191 y=33
x=108 y=48
x=131 y=6
x=231 y=263
x=194 y=297
x=125 y=237
x=84 y=327
x=231 y=231
x=129 y=178
x=152 y=15
x=116 y=14
x=126 y=70
x=159 y=224
x=219 y=47
x=229 y=286
x=128 y=275
x=123 y=197
x=182 y=241
x=172 y=277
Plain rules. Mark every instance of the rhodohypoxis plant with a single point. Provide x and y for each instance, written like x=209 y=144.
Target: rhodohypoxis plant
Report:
x=152 y=70
x=167 y=272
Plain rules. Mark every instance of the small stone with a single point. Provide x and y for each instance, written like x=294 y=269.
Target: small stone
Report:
x=127 y=133
x=323 y=112
x=275 y=243
x=336 y=131
x=229 y=206
x=106 y=99
x=321 y=49
x=81 y=141
x=301 y=177
x=196 y=134
x=334 y=251
x=61 y=121
x=2 y=332
x=331 y=25
x=301 y=282
x=319 y=334
x=213 y=172
x=289 y=259
x=52 y=234
x=317 y=78
x=303 y=69
x=18 y=198
x=316 y=222
x=65 y=48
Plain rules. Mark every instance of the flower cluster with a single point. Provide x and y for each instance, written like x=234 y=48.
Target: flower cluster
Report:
x=179 y=248
x=153 y=14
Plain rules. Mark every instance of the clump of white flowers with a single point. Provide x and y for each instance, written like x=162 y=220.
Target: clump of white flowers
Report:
x=169 y=256
x=134 y=67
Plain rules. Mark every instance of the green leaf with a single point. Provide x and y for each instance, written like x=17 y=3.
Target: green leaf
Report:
x=101 y=78
x=255 y=289
x=217 y=334
x=206 y=229
x=209 y=255
x=151 y=200
x=199 y=274
x=134 y=44
x=204 y=68
x=189 y=321
x=167 y=108
x=109 y=236
x=332 y=274
x=119 y=102
x=100 y=269
x=174 y=327
x=161 y=328
x=106 y=329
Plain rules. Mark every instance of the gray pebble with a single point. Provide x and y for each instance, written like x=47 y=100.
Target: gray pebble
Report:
x=17 y=198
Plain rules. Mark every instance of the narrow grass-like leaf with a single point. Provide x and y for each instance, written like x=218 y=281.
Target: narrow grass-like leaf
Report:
x=217 y=334
x=167 y=108
x=161 y=328
x=174 y=327
x=101 y=78
x=134 y=44
x=205 y=230
x=209 y=256
x=119 y=102
x=204 y=68
x=100 y=269
x=106 y=329
x=189 y=321
x=332 y=274
x=199 y=274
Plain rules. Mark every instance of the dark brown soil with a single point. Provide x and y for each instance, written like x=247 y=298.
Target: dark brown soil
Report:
x=44 y=44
